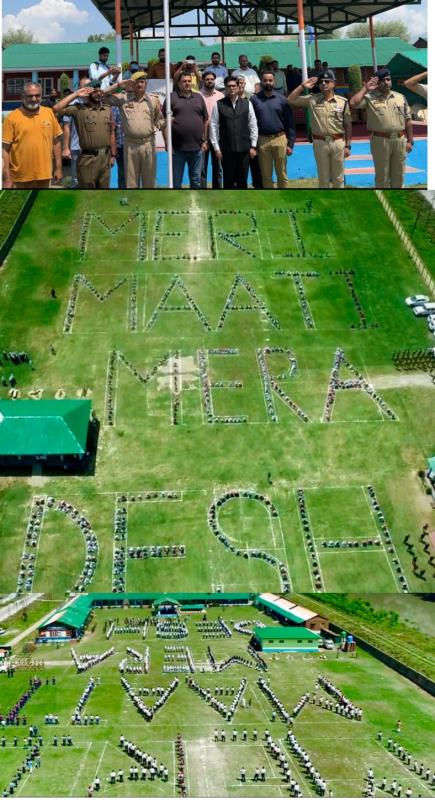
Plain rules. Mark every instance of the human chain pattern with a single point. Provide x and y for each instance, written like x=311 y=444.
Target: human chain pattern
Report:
x=356 y=382
x=180 y=756
x=158 y=551
x=300 y=291
x=40 y=505
x=213 y=524
x=410 y=360
x=11 y=716
x=162 y=306
x=213 y=630
x=148 y=712
x=404 y=755
x=304 y=759
x=115 y=358
x=90 y=216
x=138 y=663
x=178 y=658
x=348 y=275
x=227 y=712
x=171 y=629
x=82 y=280
x=76 y=718
x=85 y=661
x=26 y=570
x=387 y=539
x=310 y=543
x=270 y=383
x=274 y=700
x=255 y=304
x=278 y=754
x=351 y=543
x=348 y=707
x=150 y=766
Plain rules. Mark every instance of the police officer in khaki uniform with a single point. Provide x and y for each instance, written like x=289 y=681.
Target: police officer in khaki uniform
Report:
x=141 y=115
x=390 y=125
x=96 y=135
x=331 y=123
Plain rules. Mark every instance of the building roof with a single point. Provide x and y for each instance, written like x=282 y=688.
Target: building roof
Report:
x=287 y=609
x=326 y=15
x=68 y=56
x=73 y=615
x=415 y=55
x=43 y=427
x=279 y=632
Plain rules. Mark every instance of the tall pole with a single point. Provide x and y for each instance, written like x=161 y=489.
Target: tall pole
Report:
x=373 y=43
x=316 y=42
x=118 y=36
x=223 y=48
x=130 y=25
x=166 y=23
x=302 y=44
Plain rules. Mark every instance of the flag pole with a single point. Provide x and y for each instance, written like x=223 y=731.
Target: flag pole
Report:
x=166 y=22
x=302 y=42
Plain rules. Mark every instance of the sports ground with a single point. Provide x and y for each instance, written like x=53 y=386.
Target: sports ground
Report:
x=205 y=328
x=342 y=750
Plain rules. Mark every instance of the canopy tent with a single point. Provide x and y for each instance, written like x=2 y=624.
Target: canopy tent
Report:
x=323 y=15
x=130 y=17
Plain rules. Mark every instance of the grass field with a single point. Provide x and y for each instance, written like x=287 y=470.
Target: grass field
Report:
x=341 y=750
x=204 y=327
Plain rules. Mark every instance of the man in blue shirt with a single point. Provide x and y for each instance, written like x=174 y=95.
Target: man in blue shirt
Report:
x=276 y=132
x=219 y=70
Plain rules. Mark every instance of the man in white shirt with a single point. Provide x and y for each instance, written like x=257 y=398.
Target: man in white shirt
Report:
x=100 y=70
x=252 y=80
x=234 y=134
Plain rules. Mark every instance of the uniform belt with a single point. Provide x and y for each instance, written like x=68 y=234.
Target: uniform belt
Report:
x=334 y=136
x=272 y=135
x=138 y=139
x=384 y=135
x=95 y=152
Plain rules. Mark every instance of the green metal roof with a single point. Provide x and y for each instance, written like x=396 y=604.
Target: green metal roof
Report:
x=278 y=632
x=68 y=56
x=416 y=55
x=43 y=427
x=74 y=615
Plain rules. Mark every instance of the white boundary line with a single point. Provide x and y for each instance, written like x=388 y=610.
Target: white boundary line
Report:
x=80 y=769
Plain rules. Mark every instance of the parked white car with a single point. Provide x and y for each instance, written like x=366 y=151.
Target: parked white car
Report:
x=328 y=644
x=416 y=300
x=431 y=322
x=425 y=310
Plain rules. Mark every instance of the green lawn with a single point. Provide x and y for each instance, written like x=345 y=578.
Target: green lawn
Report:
x=244 y=293
x=341 y=749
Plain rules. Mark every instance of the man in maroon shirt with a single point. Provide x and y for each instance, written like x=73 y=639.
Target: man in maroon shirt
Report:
x=189 y=130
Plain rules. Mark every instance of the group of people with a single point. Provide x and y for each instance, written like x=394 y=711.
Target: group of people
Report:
x=238 y=120
x=213 y=630
x=146 y=712
x=11 y=717
x=84 y=661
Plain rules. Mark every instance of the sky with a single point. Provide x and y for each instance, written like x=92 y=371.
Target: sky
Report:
x=74 y=20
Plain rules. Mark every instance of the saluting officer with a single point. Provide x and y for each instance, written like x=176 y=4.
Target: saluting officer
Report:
x=141 y=116
x=331 y=123
x=96 y=135
x=390 y=125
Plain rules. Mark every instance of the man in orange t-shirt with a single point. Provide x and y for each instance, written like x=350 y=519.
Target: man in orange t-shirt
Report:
x=157 y=70
x=31 y=139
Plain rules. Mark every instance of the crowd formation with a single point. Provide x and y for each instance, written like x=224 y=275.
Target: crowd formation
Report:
x=226 y=711
x=145 y=711
x=84 y=661
x=150 y=768
x=12 y=717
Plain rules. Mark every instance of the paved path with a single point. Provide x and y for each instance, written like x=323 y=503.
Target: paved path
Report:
x=18 y=605
x=36 y=625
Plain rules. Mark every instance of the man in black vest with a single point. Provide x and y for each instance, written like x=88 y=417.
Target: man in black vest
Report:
x=234 y=134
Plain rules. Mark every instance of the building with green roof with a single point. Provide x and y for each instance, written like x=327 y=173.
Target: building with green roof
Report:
x=278 y=639
x=43 y=430
x=46 y=62
x=406 y=64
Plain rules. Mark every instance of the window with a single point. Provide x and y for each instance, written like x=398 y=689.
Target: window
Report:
x=15 y=86
x=47 y=86
x=300 y=641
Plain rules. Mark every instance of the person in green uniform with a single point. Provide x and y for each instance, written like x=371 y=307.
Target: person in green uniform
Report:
x=96 y=135
x=331 y=123
x=390 y=126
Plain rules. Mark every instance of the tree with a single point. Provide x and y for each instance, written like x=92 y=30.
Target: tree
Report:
x=18 y=36
x=247 y=22
x=382 y=29
x=63 y=82
x=101 y=37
